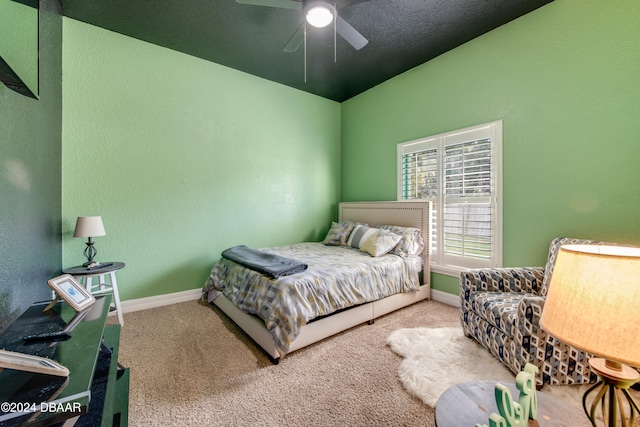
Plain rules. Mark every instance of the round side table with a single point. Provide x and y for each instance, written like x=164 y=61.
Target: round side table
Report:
x=472 y=402
x=83 y=274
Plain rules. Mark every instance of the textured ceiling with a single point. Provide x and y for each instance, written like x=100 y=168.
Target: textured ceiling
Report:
x=401 y=33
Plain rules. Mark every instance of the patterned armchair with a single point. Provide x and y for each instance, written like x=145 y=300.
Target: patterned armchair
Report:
x=501 y=309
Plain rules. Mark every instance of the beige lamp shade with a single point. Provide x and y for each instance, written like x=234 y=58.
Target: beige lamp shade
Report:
x=89 y=226
x=593 y=302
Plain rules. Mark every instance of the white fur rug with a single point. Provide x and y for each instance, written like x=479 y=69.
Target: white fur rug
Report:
x=438 y=358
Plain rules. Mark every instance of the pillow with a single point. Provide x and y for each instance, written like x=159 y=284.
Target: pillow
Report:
x=339 y=233
x=411 y=243
x=380 y=243
x=359 y=235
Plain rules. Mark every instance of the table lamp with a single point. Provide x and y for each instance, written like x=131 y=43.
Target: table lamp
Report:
x=593 y=304
x=89 y=226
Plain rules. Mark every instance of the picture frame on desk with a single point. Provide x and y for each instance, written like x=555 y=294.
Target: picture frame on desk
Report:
x=68 y=288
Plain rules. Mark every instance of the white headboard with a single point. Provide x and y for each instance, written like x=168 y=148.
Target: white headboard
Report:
x=406 y=214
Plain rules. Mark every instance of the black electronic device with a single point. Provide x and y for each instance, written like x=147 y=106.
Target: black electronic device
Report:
x=49 y=336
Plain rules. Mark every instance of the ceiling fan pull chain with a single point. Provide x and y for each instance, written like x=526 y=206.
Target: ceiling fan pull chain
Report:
x=305 y=51
x=335 y=42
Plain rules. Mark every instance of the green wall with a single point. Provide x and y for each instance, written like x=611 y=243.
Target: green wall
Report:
x=30 y=185
x=565 y=79
x=183 y=158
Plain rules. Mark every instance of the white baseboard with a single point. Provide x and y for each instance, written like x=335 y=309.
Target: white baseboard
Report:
x=194 y=294
x=160 y=300
x=445 y=297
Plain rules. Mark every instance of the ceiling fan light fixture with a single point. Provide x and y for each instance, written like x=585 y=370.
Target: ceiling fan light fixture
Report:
x=319 y=14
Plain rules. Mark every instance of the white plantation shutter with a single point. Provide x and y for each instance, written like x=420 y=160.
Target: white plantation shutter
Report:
x=467 y=200
x=467 y=230
x=420 y=172
x=460 y=172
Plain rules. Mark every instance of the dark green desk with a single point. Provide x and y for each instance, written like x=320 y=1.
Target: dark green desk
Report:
x=94 y=381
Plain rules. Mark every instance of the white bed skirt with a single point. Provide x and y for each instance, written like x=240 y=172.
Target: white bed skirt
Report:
x=321 y=328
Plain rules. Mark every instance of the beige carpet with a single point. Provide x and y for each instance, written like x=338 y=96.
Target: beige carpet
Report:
x=190 y=365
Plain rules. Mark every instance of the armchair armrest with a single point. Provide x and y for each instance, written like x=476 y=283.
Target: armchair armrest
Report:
x=521 y=279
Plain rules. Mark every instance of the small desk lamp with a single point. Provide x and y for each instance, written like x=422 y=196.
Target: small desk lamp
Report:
x=89 y=226
x=593 y=304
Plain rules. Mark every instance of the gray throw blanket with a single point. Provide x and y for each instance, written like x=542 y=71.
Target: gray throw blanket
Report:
x=271 y=265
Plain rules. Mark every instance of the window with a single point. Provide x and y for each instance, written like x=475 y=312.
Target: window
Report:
x=460 y=172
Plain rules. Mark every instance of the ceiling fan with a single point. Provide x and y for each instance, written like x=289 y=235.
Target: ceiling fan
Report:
x=318 y=13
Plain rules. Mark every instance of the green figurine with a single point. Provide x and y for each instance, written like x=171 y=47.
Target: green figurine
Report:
x=516 y=414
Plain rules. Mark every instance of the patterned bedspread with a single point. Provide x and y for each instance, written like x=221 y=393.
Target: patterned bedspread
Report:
x=338 y=277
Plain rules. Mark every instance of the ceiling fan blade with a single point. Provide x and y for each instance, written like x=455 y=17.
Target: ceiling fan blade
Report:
x=350 y=34
x=282 y=4
x=296 y=40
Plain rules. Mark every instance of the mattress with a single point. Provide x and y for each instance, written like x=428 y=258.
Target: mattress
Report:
x=337 y=278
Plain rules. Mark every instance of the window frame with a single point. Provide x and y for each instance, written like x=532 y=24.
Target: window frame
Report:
x=443 y=263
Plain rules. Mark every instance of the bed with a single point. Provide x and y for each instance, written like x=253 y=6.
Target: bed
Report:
x=345 y=284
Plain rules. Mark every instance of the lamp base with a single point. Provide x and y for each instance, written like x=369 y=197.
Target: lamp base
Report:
x=90 y=252
x=614 y=381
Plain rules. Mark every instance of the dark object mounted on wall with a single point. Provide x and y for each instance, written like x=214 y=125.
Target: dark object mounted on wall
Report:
x=19 y=46
x=12 y=81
